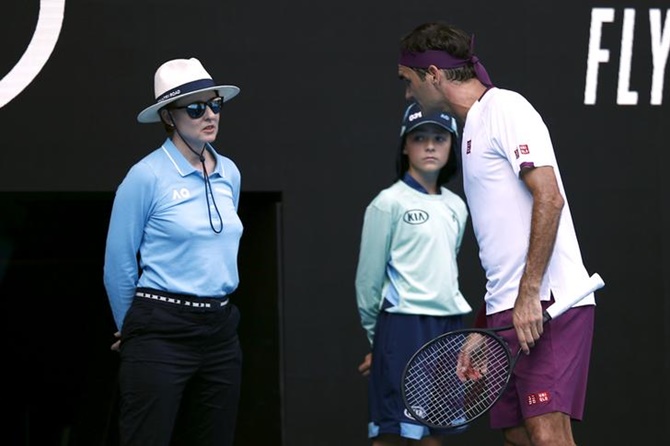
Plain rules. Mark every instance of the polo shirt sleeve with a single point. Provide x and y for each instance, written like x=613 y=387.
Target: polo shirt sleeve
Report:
x=522 y=135
x=372 y=263
x=130 y=212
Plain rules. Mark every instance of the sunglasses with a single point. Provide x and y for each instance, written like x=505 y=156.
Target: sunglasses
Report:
x=196 y=109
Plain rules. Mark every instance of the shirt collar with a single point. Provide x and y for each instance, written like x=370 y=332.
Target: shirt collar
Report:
x=181 y=163
x=411 y=182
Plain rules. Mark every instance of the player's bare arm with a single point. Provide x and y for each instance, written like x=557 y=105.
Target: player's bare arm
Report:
x=547 y=206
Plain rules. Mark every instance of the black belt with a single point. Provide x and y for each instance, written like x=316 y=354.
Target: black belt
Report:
x=182 y=299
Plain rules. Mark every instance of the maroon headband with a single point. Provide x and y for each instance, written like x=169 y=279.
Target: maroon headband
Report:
x=442 y=59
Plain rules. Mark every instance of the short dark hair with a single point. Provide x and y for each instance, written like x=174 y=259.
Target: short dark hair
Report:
x=443 y=37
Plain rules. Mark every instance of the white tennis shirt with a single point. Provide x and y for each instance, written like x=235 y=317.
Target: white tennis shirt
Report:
x=503 y=133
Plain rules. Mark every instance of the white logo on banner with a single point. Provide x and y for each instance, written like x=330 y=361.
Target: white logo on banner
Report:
x=38 y=52
x=660 y=46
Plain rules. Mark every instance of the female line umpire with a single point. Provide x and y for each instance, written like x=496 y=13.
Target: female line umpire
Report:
x=170 y=267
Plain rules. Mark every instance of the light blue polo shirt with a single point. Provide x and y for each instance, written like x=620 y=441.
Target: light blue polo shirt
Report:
x=160 y=212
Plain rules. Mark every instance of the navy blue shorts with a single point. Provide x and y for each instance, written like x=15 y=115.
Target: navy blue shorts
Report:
x=397 y=338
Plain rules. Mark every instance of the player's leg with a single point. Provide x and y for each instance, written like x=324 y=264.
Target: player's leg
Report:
x=428 y=441
x=516 y=436
x=550 y=429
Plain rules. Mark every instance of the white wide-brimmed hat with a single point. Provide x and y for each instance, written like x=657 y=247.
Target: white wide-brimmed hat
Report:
x=178 y=78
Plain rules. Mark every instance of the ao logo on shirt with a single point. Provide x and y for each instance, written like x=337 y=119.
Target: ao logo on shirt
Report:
x=37 y=53
x=415 y=217
x=178 y=194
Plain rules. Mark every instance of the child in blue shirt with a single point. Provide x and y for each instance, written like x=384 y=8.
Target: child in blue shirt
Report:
x=407 y=276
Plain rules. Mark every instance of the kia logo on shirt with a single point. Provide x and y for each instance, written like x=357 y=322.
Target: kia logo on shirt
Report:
x=415 y=217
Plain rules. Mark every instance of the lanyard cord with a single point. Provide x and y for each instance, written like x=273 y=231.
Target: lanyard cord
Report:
x=208 y=193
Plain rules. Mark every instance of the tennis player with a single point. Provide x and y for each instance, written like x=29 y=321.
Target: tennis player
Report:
x=522 y=222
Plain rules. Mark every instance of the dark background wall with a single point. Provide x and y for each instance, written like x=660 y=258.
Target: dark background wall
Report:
x=314 y=132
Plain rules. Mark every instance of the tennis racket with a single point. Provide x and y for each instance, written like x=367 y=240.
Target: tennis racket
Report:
x=456 y=377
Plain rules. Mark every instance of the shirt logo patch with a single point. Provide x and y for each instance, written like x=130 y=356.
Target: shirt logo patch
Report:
x=523 y=148
x=178 y=194
x=468 y=147
x=538 y=398
x=417 y=410
x=415 y=217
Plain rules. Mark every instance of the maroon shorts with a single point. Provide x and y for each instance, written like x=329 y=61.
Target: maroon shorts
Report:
x=553 y=377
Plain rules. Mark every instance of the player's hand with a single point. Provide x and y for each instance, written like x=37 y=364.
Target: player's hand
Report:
x=115 y=346
x=364 y=367
x=471 y=363
x=527 y=320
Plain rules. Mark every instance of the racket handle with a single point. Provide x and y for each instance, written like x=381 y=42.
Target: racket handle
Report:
x=594 y=283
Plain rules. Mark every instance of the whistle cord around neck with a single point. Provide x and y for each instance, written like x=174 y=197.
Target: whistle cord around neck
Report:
x=208 y=185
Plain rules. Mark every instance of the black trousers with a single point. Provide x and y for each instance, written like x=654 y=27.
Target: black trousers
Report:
x=179 y=374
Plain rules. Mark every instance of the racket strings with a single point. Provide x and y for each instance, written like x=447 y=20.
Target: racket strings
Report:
x=435 y=393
